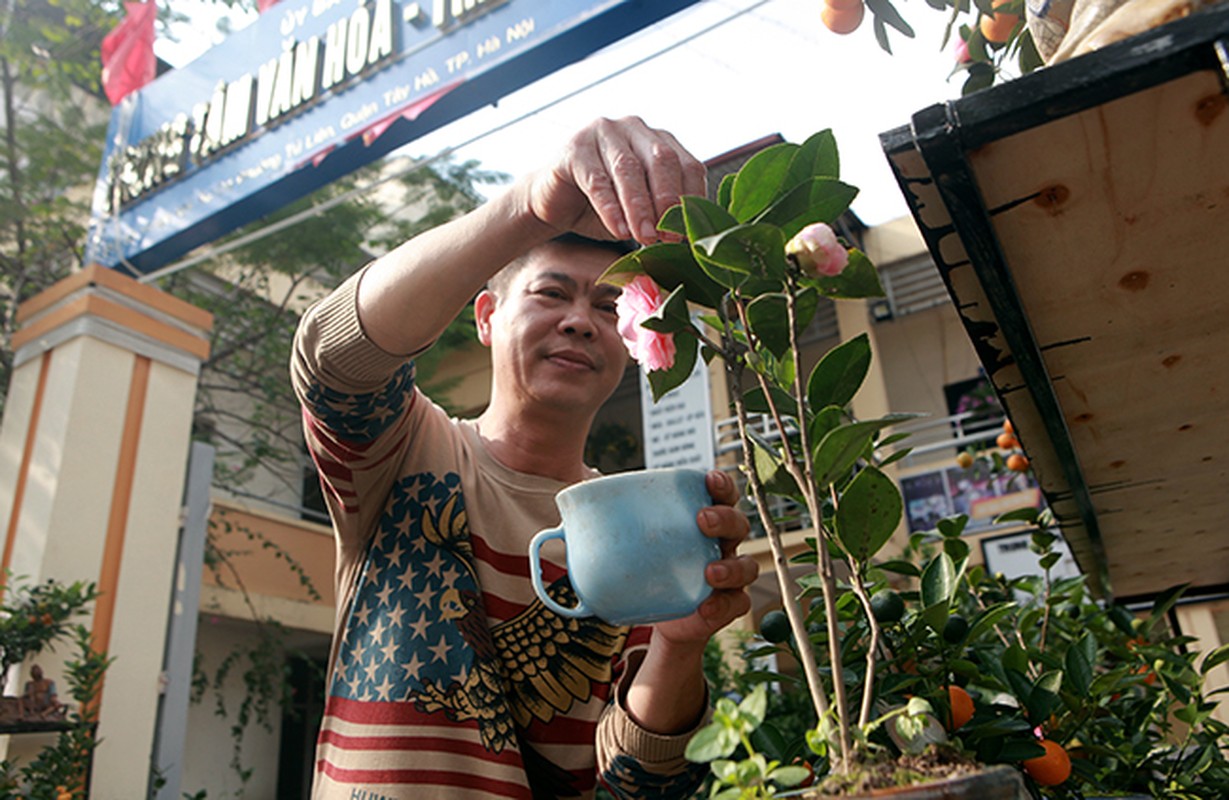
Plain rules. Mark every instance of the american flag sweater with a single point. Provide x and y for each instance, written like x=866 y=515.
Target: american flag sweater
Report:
x=448 y=677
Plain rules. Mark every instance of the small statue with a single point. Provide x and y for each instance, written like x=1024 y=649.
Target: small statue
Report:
x=39 y=700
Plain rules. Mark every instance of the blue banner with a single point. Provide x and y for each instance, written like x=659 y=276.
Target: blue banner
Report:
x=311 y=91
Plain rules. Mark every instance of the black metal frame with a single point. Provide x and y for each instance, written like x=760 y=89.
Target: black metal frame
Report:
x=944 y=133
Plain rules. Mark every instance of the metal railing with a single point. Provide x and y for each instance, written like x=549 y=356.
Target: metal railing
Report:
x=930 y=440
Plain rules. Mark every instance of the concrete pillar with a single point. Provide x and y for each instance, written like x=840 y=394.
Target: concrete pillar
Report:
x=93 y=451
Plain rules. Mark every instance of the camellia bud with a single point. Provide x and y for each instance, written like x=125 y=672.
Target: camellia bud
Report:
x=961 y=51
x=816 y=251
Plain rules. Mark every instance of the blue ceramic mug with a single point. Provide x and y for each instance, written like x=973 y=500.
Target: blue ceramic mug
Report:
x=634 y=551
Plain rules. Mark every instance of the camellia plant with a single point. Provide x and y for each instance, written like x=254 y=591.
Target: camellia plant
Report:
x=958 y=658
x=989 y=39
x=758 y=261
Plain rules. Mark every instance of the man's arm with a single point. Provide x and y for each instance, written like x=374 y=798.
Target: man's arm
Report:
x=642 y=736
x=613 y=180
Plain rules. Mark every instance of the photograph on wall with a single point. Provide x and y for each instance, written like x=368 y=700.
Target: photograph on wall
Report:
x=926 y=500
x=975 y=492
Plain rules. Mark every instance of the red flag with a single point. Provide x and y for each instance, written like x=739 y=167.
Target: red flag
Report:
x=264 y=5
x=128 y=52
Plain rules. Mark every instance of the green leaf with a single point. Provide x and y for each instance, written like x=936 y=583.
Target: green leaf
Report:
x=892 y=439
x=789 y=776
x=952 y=527
x=783 y=371
x=761 y=180
x=1195 y=713
x=710 y=743
x=1165 y=601
x=672 y=220
x=987 y=619
x=769 y=740
x=958 y=549
x=897 y=456
x=724 y=768
x=1214 y=659
x=623 y=270
x=772 y=474
x=1122 y=618
x=755 y=705
x=1028 y=58
x=663 y=381
x=840 y=373
x=703 y=218
x=725 y=189
x=884 y=10
x=868 y=513
x=859 y=279
x=672 y=316
x=981 y=76
x=756 y=249
x=881 y=36
x=816 y=158
x=1044 y=700
x=814 y=200
x=936 y=615
x=938 y=580
x=1020 y=750
x=824 y=421
x=1079 y=663
x=768 y=316
x=845 y=444
x=1026 y=514
x=900 y=567
x=671 y=265
x=1019 y=683
x=1172 y=684
x=756 y=402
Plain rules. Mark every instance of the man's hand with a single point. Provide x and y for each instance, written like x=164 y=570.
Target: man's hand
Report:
x=614 y=179
x=729 y=577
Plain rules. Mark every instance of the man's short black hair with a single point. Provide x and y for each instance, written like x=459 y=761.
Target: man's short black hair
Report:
x=499 y=282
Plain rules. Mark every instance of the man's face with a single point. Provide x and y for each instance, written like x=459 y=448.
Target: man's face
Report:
x=552 y=330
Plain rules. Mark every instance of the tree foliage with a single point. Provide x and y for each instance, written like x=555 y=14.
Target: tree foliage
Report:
x=55 y=120
x=50 y=146
x=257 y=292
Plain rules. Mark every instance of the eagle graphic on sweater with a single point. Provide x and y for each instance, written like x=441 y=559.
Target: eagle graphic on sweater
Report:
x=531 y=666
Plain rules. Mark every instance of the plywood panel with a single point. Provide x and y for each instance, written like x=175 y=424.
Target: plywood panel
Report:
x=1115 y=224
x=1112 y=220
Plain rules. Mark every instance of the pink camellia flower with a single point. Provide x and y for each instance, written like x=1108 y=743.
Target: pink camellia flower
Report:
x=817 y=252
x=961 y=52
x=640 y=300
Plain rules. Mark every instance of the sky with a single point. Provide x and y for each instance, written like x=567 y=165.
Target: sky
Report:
x=745 y=69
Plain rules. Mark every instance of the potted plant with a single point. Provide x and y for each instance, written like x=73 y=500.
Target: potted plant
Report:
x=888 y=692
x=34 y=619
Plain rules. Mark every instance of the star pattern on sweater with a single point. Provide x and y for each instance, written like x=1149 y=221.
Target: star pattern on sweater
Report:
x=362 y=417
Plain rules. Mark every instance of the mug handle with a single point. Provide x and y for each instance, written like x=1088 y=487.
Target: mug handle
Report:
x=535 y=572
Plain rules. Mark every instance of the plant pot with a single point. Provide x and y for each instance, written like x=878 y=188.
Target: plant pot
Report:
x=995 y=783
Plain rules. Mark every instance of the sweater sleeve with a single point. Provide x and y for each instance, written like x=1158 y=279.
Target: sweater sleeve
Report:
x=356 y=401
x=633 y=762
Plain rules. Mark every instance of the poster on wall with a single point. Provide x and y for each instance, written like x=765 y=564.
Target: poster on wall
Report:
x=975 y=492
x=678 y=428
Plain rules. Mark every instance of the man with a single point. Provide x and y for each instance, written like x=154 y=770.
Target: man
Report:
x=448 y=678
